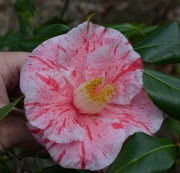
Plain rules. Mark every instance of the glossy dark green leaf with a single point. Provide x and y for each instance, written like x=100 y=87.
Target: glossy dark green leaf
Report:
x=129 y=30
x=133 y=32
x=174 y=126
x=42 y=34
x=164 y=90
x=145 y=154
x=58 y=169
x=126 y=27
x=51 y=31
x=30 y=44
x=161 y=46
x=55 y=20
x=6 y=109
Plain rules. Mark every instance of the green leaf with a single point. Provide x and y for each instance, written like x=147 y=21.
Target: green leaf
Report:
x=58 y=169
x=42 y=155
x=145 y=154
x=126 y=27
x=174 y=126
x=6 y=109
x=55 y=20
x=133 y=32
x=42 y=34
x=51 y=31
x=5 y=168
x=9 y=40
x=30 y=44
x=161 y=46
x=25 y=10
x=25 y=26
x=25 y=6
x=164 y=90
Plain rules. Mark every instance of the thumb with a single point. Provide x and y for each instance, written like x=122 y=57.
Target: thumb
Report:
x=13 y=130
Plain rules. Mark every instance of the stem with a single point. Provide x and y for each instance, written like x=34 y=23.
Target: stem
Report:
x=64 y=8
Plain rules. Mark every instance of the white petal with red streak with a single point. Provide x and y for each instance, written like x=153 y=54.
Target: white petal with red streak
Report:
x=141 y=115
x=105 y=133
x=56 y=122
x=82 y=141
x=99 y=148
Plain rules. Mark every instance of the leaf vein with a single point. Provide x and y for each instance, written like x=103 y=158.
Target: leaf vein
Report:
x=134 y=160
x=153 y=45
x=162 y=81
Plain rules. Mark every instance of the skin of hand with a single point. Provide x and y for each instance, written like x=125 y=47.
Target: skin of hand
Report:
x=13 y=130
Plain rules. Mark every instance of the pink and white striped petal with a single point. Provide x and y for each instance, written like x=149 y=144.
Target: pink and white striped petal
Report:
x=105 y=133
x=141 y=115
x=124 y=70
x=60 y=76
x=55 y=122
x=99 y=148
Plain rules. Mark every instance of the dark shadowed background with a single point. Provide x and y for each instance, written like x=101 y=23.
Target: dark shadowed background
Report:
x=111 y=11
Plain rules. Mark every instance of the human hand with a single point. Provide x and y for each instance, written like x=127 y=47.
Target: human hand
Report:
x=13 y=130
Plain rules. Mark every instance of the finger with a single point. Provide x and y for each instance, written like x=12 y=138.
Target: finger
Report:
x=13 y=132
x=11 y=63
x=3 y=93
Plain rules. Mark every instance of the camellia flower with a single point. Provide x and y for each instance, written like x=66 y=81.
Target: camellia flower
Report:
x=84 y=96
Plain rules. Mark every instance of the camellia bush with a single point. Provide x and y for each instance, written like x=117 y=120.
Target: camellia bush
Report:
x=92 y=97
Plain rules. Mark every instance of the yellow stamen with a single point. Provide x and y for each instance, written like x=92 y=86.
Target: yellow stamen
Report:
x=91 y=97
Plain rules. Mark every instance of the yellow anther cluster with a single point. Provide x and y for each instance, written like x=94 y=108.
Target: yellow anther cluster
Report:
x=101 y=95
x=94 y=83
x=91 y=97
x=105 y=94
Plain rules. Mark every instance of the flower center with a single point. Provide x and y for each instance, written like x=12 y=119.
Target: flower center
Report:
x=91 y=97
